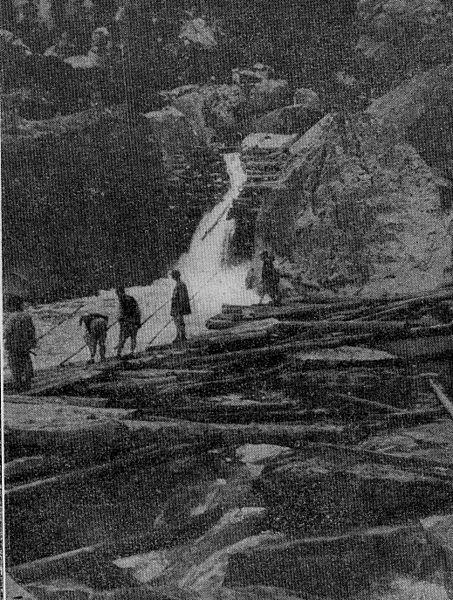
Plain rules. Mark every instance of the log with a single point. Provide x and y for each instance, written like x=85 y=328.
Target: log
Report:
x=326 y=326
x=403 y=418
x=163 y=536
x=442 y=397
x=369 y=403
x=58 y=381
x=428 y=468
x=344 y=356
x=82 y=401
x=174 y=374
x=424 y=300
x=252 y=355
x=215 y=385
x=77 y=476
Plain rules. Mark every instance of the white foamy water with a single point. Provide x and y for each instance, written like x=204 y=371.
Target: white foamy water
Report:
x=209 y=280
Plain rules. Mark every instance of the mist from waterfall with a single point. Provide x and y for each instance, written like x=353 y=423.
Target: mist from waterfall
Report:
x=210 y=280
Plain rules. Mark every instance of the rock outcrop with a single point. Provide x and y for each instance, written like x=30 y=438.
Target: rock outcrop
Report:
x=227 y=111
x=357 y=209
x=404 y=34
x=296 y=118
x=64 y=218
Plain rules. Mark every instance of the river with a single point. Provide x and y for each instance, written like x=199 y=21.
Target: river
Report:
x=210 y=280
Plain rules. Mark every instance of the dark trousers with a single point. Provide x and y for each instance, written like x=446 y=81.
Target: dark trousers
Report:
x=21 y=369
x=180 y=328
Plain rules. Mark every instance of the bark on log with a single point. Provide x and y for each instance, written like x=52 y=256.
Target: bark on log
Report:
x=162 y=537
x=370 y=403
x=79 y=475
x=442 y=397
x=327 y=326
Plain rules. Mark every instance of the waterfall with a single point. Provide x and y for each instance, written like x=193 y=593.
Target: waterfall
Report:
x=209 y=279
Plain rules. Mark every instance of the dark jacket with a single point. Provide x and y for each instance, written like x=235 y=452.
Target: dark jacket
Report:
x=130 y=311
x=19 y=333
x=180 y=301
x=269 y=274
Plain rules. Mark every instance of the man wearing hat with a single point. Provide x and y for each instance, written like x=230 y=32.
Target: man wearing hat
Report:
x=19 y=340
x=270 y=279
x=180 y=307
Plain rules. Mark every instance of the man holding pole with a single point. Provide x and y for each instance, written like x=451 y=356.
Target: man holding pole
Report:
x=20 y=339
x=129 y=319
x=180 y=307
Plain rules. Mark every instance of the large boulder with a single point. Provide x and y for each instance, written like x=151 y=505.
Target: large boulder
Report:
x=269 y=94
x=227 y=110
x=209 y=107
x=307 y=98
x=197 y=31
x=173 y=130
x=362 y=208
x=295 y=118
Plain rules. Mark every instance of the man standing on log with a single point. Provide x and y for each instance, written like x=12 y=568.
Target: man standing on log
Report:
x=96 y=333
x=20 y=339
x=270 y=279
x=180 y=306
x=129 y=319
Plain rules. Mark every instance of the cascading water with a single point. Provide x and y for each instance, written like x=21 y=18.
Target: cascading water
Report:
x=209 y=279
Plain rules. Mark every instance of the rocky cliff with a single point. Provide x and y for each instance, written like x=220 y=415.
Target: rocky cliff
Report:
x=357 y=209
x=95 y=198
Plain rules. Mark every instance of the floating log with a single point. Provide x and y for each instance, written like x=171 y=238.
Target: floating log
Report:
x=423 y=343
x=348 y=356
x=442 y=397
x=276 y=351
x=148 y=453
x=59 y=379
x=326 y=326
x=400 y=419
x=82 y=401
x=369 y=403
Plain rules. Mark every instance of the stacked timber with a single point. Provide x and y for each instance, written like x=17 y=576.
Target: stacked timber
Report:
x=265 y=158
x=400 y=324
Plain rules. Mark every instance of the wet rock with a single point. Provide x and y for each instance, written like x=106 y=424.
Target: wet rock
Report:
x=269 y=94
x=197 y=31
x=225 y=110
x=208 y=108
x=174 y=131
